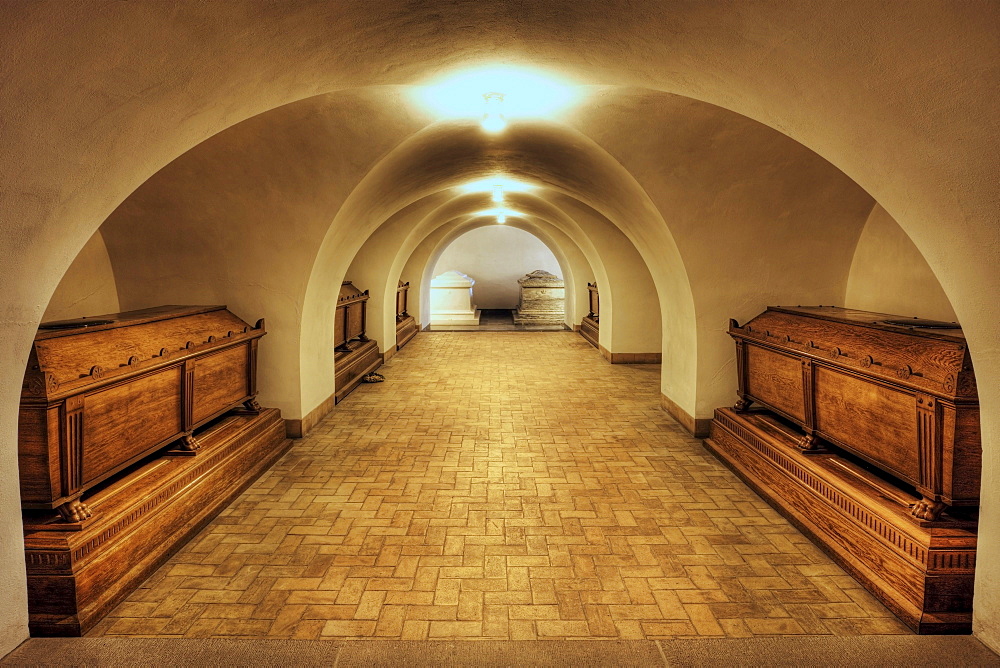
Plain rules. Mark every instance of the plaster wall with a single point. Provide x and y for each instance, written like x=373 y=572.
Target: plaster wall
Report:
x=496 y=256
x=889 y=275
x=758 y=219
x=238 y=219
x=88 y=287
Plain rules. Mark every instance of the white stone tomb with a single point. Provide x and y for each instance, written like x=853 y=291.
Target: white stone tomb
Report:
x=451 y=300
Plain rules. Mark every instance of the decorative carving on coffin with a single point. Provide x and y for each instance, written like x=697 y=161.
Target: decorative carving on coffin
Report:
x=900 y=396
x=542 y=299
x=97 y=398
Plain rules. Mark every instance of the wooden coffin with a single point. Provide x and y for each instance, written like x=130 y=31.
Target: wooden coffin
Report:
x=77 y=573
x=102 y=393
x=406 y=324
x=354 y=353
x=899 y=393
x=924 y=571
x=590 y=327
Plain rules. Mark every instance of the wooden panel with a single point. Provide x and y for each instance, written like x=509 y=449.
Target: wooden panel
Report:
x=963 y=461
x=123 y=421
x=220 y=380
x=873 y=421
x=355 y=320
x=37 y=455
x=340 y=327
x=776 y=380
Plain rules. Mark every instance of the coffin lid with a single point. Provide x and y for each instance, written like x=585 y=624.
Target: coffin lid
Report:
x=540 y=279
x=129 y=339
x=876 y=344
x=452 y=279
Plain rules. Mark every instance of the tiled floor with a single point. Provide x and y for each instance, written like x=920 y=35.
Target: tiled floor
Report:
x=500 y=485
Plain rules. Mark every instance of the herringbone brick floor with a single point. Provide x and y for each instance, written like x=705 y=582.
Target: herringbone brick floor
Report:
x=500 y=485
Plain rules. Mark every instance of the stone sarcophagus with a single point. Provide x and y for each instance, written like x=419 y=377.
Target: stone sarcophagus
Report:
x=451 y=300
x=102 y=393
x=542 y=299
x=899 y=393
x=590 y=326
x=863 y=429
x=354 y=353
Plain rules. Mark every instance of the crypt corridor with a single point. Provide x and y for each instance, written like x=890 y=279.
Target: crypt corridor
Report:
x=678 y=166
x=500 y=486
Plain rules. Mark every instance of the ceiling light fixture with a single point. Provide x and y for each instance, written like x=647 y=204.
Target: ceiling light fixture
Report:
x=489 y=185
x=493 y=118
x=501 y=218
x=509 y=93
x=498 y=193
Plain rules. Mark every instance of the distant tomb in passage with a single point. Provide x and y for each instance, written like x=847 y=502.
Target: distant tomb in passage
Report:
x=451 y=300
x=542 y=300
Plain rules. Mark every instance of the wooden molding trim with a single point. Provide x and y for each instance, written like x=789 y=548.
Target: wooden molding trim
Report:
x=632 y=358
x=699 y=428
x=388 y=353
x=299 y=427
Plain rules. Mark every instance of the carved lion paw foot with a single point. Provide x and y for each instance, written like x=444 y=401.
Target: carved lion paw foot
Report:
x=75 y=511
x=190 y=443
x=925 y=509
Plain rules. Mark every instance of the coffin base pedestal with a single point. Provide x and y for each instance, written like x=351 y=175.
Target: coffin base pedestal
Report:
x=590 y=329
x=922 y=571
x=406 y=329
x=455 y=318
x=78 y=572
x=351 y=366
x=530 y=317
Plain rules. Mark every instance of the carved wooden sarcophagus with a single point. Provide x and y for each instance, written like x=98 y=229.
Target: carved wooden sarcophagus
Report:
x=899 y=393
x=354 y=353
x=590 y=326
x=406 y=324
x=102 y=393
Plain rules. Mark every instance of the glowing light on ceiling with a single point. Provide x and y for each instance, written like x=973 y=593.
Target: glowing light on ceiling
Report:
x=490 y=185
x=497 y=193
x=493 y=118
x=500 y=213
x=506 y=92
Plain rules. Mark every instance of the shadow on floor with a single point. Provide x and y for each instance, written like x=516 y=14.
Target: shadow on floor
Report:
x=496 y=320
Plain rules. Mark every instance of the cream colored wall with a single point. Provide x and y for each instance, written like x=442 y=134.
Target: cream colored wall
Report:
x=889 y=275
x=238 y=219
x=496 y=256
x=758 y=220
x=88 y=287
x=912 y=121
